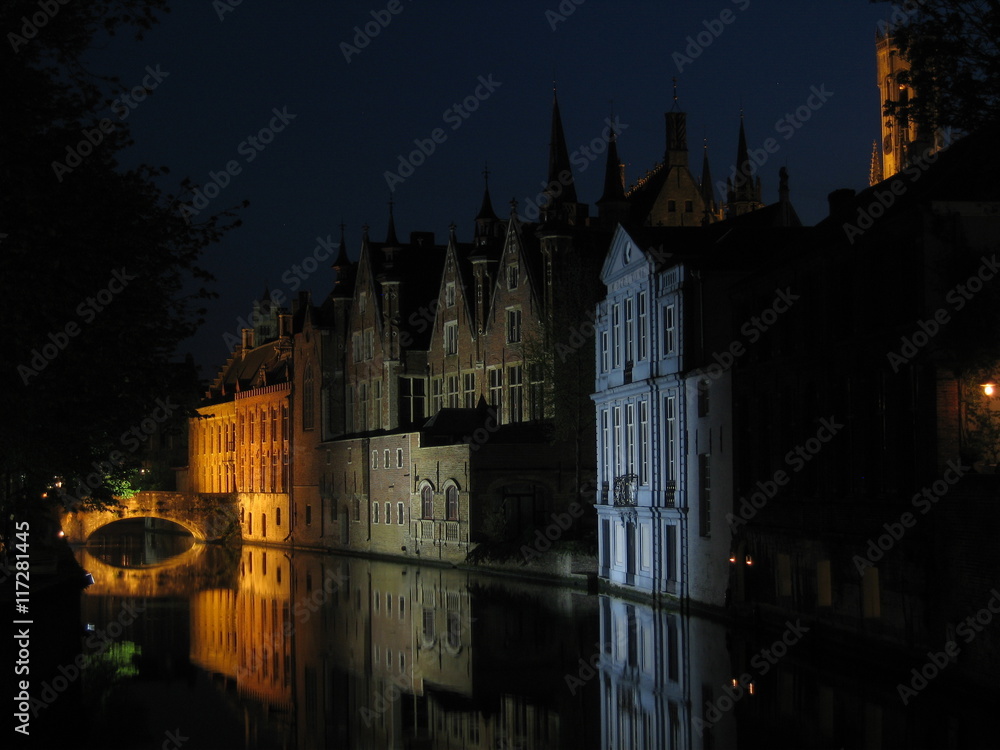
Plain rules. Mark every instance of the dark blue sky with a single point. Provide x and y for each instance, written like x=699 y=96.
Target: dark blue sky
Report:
x=354 y=119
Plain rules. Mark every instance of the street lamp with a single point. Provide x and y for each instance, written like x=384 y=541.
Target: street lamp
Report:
x=988 y=388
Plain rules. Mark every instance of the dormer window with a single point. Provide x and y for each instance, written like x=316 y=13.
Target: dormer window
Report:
x=512 y=276
x=449 y=294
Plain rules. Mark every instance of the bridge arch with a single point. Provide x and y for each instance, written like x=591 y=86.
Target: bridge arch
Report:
x=205 y=517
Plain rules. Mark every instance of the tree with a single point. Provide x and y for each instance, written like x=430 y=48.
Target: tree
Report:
x=953 y=49
x=100 y=268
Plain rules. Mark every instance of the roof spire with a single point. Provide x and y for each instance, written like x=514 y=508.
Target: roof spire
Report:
x=560 y=186
x=390 y=237
x=342 y=260
x=486 y=213
x=706 y=182
x=674 y=108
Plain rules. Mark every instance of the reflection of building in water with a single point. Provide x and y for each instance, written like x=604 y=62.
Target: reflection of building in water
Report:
x=356 y=653
x=659 y=677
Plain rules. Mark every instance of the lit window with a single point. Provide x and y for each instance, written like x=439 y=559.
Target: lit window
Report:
x=451 y=497
x=427 y=502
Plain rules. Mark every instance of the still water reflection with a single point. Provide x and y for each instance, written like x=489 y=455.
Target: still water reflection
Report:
x=271 y=648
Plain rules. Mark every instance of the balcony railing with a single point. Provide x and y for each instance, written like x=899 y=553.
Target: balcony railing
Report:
x=625 y=490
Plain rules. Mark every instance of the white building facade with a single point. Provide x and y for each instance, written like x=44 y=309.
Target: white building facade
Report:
x=663 y=447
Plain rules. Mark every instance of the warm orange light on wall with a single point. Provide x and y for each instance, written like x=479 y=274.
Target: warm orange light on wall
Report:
x=989 y=388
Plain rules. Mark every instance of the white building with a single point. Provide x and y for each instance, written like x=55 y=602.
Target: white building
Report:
x=664 y=434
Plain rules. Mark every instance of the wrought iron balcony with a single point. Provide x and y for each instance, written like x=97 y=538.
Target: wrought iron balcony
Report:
x=625 y=490
x=670 y=493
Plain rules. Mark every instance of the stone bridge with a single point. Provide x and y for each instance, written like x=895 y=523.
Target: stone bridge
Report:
x=207 y=517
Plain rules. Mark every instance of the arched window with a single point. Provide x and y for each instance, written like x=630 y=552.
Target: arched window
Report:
x=451 y=502
x=308 y=399
x=427 y=502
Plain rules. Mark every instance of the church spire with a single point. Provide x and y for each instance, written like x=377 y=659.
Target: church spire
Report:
x=390 y=237
x=677 y=150
x=343 y=284
x=559 y=187
x=744 y=191
x=707 y=194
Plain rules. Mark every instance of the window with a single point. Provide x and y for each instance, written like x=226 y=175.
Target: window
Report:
x=616 y=333
x=412 y=394
x=357 y=350
x=449 y=294
x=349 y=409
x=669 y=330
x=469 y=390
x=399 y=513
x=426 y=502
x=643 y=324
x=512 y=276
x=253 y=426
x=377 y=417
x=605 y=361
x=513 y=326
x=670 y=439
x=357 y=509
x=689 y=207
x=308 y=399
x=284 y=422
x=672 y=206
x=629 y=322
x=309 y=515
x=374 y=459
x=388 y=514
x=618 y=439
x=369 y=343
x=385 y=459
x=363 y=407
x=605 y=447
x=274 y=425
x=643 y=442
x=453 y=391
x=496 y=391
x=250 y=531
x=630 y=438
x=436 y=396
x=536 y=397
x=703 y=387
x=704 y=495
x=263 y=526
x=363 y=301
x=451 y=337
x=451 y=501
x=375 y=507
x=399 y=458
x=516 y=387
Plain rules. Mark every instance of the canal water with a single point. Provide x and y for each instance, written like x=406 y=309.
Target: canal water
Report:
x=199 y=646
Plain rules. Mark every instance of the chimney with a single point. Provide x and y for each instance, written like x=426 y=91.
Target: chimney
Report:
x=284 y=324
x=841 y=202
x=247 y=339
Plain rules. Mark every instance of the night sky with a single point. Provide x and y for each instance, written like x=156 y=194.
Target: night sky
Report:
x=354 y=119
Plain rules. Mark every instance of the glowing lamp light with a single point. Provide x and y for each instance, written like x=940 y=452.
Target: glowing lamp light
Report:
x=749 y=560
x=732 y=559
x=61 y=534
x=750 y=688
x=989 y=388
